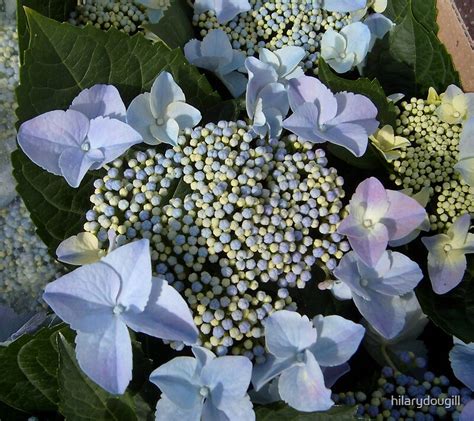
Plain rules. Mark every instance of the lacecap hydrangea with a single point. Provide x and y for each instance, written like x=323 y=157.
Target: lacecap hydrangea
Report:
x=235 y=223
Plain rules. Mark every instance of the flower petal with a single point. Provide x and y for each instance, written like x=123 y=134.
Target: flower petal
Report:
x=270 y=369
x=358 y=38
x=216 y=46
x=446 y=272
x=465 y=167
x=352 y=137
x=46 y=137
x=166 y=315
x=100 y=100
x=385 y=313
x=287 y=333
x=302 y=386
x=303 y=123
x=462 y=363
x=403 y=216
x=338 y=339
x=113 y=137
x=371 y=246
x=467 y=413
x=106 y=357
x=219 y=376
x=289 y=58
x=132 y=262
x=140 y=117
x=235 y=82
x=232 y=409
x=179 y=381
x=166 y=410
x=79 y=249
x=343 y=5
x=333 y=374
x=85 y=297
x=74 y=164
x=166 y=133
x=184 y=114
x=164 y=91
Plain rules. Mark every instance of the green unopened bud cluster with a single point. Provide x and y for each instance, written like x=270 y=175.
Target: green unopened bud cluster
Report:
x=234 y=223
x=25 y=265
x=8 y=105
x=277 y=24
x=125 y=15
x=429 y=162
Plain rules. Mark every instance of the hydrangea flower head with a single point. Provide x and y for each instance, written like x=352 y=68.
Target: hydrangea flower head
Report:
x=377 y=216
x=465 y=164
x=376 y=290
x=161 y=114
x=286 y=61
x=447 y=254
x=266 y=98
x=87 y=136
x=456 y=106
x=100 y=300
x=387 y=143
x=345 y=49
x=204 y=387
x=462 y=362
x=319 y=116
x=215 y=53
x=298 y=349
x=225 y=9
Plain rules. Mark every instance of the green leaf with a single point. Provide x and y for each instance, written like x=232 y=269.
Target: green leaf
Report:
x=38 y=359
x=61 y=61
x=81 y=399
x=229 y=110
x=55 y=9
x=174 y=28
x=15 y=388
x=412 y=59
x=425 y=12
x=285 y=413
x=453 y=312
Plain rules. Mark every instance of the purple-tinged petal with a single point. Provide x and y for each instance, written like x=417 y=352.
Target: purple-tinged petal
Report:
x=166 y=315
x=348 y=272
x=140 y=117
x=371 y=196
x=343 y=5
x=46 y=137
x=75 y=163
x=309 y=89
x=132 y=262
x=302 y=386
x=446 y=271
x=356 y=109
x=113 y=137
x=371 y=246
x=219 y=375
x=100 y=100
x=350 y=136
x=164 y=91
x=178 y=379
x=404 y=215
x=85 y=297
x=271 y=368
x=333 y=374
x=385 y=313
x=184 y=114
x=106 y=357
x=166 y=410
x=303 y=123
x=462 y=363
x=260 y=75
x=287 y=333
x=338 y=339
x=399 y=276
x=467 y=413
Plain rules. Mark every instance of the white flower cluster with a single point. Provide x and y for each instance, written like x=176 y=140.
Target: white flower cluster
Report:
x=8 y=82
x=276 y=24
x=25 y=265
x=124 y=15
x=234 y=222
x=429 y=160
